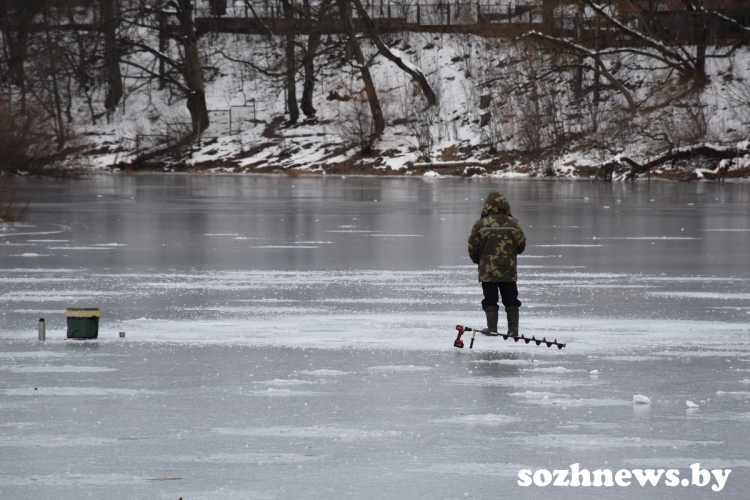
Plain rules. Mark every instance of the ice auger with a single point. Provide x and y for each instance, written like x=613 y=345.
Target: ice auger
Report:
x=463 y=329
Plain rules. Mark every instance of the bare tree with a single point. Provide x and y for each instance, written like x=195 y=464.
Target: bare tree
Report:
x=109 y=15
x=316 y=21
x=185 y=70
x=290 y=32
x=345 y=10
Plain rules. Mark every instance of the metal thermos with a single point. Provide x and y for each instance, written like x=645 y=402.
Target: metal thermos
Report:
x=42 y=330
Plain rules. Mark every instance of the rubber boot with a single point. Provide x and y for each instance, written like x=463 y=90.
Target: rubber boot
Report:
x=512 y=314
x=492 y=316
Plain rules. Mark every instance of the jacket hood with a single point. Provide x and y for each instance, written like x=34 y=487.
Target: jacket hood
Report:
x=495 y=204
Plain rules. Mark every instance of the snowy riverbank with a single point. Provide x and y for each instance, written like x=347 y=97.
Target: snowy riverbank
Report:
x=481 y=126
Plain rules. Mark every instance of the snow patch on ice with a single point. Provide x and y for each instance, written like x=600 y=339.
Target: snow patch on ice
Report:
x=246 y=458
x=702 y=295
x=288 y=382
x=503 y=469
x=399 y=368
x=551 y=369
x=489 y=419
x=58 y=369
x=511 y=362
x=573 y=245
x=315 y=432
x=73 y=480
x=521 y=382
x=627 y=358
x=77 y=391
x=679 y=462
x=49 y=441
x=282 y=393
x=32 y=354
x=600 y=441
x=324 y=372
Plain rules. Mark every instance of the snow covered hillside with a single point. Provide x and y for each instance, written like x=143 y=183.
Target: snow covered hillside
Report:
x=505 y=108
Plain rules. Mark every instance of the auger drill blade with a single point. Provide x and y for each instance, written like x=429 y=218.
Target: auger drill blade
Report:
x=463 y=329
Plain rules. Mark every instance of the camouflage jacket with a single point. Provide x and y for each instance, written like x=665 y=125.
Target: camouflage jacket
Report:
x=496 y=240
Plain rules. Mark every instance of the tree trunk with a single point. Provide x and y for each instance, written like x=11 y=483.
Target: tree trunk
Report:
x=56 y=99
x=111 y=54
x=372 y=96
x=291 y=69
x=15 y=23
x=192 y=69
x=313 y=42
x=163 y=48
x=383 y=49
x=699 y=20
x=578 y=81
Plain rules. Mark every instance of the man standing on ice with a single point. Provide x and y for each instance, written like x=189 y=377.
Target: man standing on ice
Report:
x=495 y=242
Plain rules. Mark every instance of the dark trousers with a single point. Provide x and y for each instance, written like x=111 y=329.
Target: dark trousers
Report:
x=493 y=291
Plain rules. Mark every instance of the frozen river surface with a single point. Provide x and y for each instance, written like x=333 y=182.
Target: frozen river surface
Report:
x=292 y=338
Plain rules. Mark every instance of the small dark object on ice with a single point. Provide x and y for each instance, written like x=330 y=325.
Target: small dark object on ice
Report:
x=462 y=329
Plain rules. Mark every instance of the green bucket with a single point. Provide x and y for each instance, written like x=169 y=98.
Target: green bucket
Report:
x=83 y=323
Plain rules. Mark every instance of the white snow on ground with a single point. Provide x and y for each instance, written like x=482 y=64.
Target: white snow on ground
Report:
x=598 y=441
x=284 y=393
x=58 y=369
x=32 y=354
x=288 y=382
x=512 y=362
x=77 y=391
x=399 y=368
x=38 y=280
x=583 y=335
x=742 y=394
x=222 y=494
x=67 y=480
x=489 y=419
x=46 y=441
x=314 y=432
x=564 y=400
x=536 y=394
x=538 y=383
x=60 y=296
x=574 y=245
x=700 y=354
x=580 y=402
x=677 y=462
x=323 y=373
x=703 y=295
x=244 y=458
x=551 y=369
x=647 y=238
x=505 y=469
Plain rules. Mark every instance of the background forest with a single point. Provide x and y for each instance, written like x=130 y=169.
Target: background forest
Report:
x=609 y=90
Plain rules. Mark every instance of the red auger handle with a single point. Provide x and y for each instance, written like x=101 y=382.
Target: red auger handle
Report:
x=458 y=342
